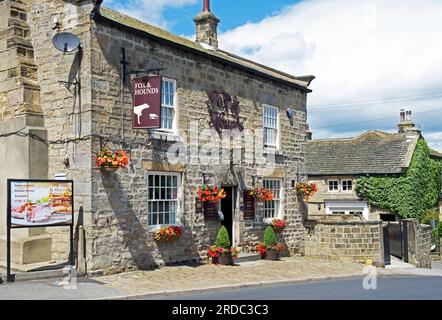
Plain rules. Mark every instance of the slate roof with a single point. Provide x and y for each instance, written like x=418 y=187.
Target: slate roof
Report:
x=435 y=154
x=117 y=18
x=373 y=152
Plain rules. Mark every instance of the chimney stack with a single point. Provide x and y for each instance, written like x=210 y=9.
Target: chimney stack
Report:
x=406 y=124
x=207 y=26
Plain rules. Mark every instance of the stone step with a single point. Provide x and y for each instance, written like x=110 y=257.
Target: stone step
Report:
x=35 y=272
x=246 y=257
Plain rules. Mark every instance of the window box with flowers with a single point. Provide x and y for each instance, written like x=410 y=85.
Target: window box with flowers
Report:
x=261 y=194
x=278 y=225
x=306 y=189
x=168 y=234
x=110 y=161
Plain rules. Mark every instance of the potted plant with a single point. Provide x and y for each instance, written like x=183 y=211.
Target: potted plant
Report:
x=222 y=252
x=110 y=161
x=262 y=194
x=168 y=233
x=278 y=225
x=269 y=249
x=306 y=189
x=209 y=193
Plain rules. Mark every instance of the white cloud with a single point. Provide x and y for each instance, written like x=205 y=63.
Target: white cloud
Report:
x=150 y=11
x=358 y=50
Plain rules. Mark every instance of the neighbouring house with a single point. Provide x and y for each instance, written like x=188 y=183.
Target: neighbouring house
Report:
x=59 y=108
x=336 y=164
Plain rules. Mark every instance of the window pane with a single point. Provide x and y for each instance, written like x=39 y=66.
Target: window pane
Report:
x=162 y=198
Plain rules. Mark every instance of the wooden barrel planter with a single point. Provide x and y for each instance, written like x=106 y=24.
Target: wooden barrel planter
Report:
x=272 y=255
x=225 y=259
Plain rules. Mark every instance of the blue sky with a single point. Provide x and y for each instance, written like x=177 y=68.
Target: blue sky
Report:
x=370 y=58
x=233 y=13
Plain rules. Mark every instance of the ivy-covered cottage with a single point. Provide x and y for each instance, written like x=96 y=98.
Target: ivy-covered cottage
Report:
x=185 y=112
x=377 y=175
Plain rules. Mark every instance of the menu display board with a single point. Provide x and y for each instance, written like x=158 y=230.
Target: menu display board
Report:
x=249 y=206
x=210 y=211
x=37 y=203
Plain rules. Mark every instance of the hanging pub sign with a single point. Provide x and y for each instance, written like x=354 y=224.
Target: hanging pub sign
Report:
x=147 y=102
x=249 y=205
x=223 y=111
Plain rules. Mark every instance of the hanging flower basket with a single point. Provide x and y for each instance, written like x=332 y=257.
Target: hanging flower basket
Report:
x=209 y=193
x=278 y=225
x=111 y=161
x=261 y=194
x=306 y=189
x=168 y=234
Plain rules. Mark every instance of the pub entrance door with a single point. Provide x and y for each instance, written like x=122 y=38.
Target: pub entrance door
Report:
x=227 y=208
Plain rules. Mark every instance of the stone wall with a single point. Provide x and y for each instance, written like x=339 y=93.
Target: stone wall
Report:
x=419 y=243
x=345 y=239
x=66 y=111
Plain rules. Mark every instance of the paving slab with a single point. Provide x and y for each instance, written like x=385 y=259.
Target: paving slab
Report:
x=171 y=280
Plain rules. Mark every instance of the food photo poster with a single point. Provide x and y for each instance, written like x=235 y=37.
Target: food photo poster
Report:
x=40 y=203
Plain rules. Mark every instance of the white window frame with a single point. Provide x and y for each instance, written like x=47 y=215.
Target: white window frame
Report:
x=277 y=213
x=328 y=185
x=174 y=107
x=277 y=127
x=347 y=206
x=177 y=200
x=346 y=181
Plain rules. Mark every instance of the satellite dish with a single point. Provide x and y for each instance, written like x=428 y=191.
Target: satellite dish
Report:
x=66 y=42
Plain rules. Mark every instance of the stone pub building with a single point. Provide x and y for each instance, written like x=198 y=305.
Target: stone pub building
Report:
x=224 y=120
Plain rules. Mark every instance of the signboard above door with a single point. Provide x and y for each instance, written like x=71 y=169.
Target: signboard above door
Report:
x=147 y=102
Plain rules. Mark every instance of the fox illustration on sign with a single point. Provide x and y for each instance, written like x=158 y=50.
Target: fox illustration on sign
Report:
x=138 y=110
x=147 y=96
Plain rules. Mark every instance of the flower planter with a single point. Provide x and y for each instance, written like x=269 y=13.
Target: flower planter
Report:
x=109 y=169
x=168 y=239
x=278 y=229
x=225 y=259
x=272 y=255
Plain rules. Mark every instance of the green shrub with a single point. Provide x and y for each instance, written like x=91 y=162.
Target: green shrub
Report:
x=409 y=195
x=269 y=236
x=222 y=238
x=428 y=217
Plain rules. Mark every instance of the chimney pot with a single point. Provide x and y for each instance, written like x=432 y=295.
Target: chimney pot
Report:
x=206 y=7
x=402 y=115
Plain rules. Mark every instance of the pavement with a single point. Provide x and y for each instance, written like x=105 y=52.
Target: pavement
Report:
x=201 y=279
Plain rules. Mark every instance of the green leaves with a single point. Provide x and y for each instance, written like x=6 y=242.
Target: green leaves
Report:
x=269 y=236
x=409 y=195
x=222 y=238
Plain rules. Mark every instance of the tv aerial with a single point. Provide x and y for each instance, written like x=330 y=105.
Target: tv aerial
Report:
x=66 y=42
